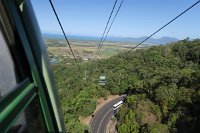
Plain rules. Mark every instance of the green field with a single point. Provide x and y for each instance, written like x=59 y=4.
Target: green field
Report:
x=85 y=49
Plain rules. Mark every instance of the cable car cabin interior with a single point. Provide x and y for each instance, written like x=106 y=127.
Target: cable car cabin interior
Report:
x=28 y=98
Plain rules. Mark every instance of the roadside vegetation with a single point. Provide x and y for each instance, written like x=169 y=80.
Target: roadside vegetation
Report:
x=161 y=83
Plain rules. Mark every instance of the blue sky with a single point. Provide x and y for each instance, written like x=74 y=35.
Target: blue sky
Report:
x=136 y=18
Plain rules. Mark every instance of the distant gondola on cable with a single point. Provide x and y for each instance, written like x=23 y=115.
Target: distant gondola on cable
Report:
x=102 y=80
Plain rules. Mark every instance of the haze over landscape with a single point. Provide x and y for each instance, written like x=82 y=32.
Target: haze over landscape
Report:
x=162 y=40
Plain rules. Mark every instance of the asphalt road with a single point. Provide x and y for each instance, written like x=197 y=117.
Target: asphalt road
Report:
x=102 y=116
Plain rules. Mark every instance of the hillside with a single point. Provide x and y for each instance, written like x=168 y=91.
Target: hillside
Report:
x=162 y=84
x=162 y=40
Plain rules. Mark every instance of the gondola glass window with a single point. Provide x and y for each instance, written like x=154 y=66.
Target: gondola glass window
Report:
x=7 y=68
x=30 y=120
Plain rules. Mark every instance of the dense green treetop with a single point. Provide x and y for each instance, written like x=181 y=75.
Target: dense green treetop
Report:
x=162 y=84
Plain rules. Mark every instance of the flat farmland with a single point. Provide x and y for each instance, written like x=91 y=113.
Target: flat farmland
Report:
x=86 y=49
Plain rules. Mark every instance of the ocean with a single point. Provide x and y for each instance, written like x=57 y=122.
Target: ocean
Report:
x=72 y=37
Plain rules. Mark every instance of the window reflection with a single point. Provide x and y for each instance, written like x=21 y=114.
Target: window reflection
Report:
x=30 y=121
x=8 y=79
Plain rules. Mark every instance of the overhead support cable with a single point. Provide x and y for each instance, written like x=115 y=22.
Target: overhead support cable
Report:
x=106 y=26
x=164 y=26
x=110 y=25
x=63 y=31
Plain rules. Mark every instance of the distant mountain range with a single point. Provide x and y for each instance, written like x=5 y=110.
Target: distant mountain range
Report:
x=162 y=40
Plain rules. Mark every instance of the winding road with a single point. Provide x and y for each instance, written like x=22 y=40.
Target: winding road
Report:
x=101 y=118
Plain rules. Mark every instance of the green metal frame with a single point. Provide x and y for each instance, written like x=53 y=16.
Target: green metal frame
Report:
x=41 y=57
x=22 y=35
x=13 y=104
x=17 y=101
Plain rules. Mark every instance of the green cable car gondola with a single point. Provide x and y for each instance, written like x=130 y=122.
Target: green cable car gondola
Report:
x=28 y=98
x=102 y=80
